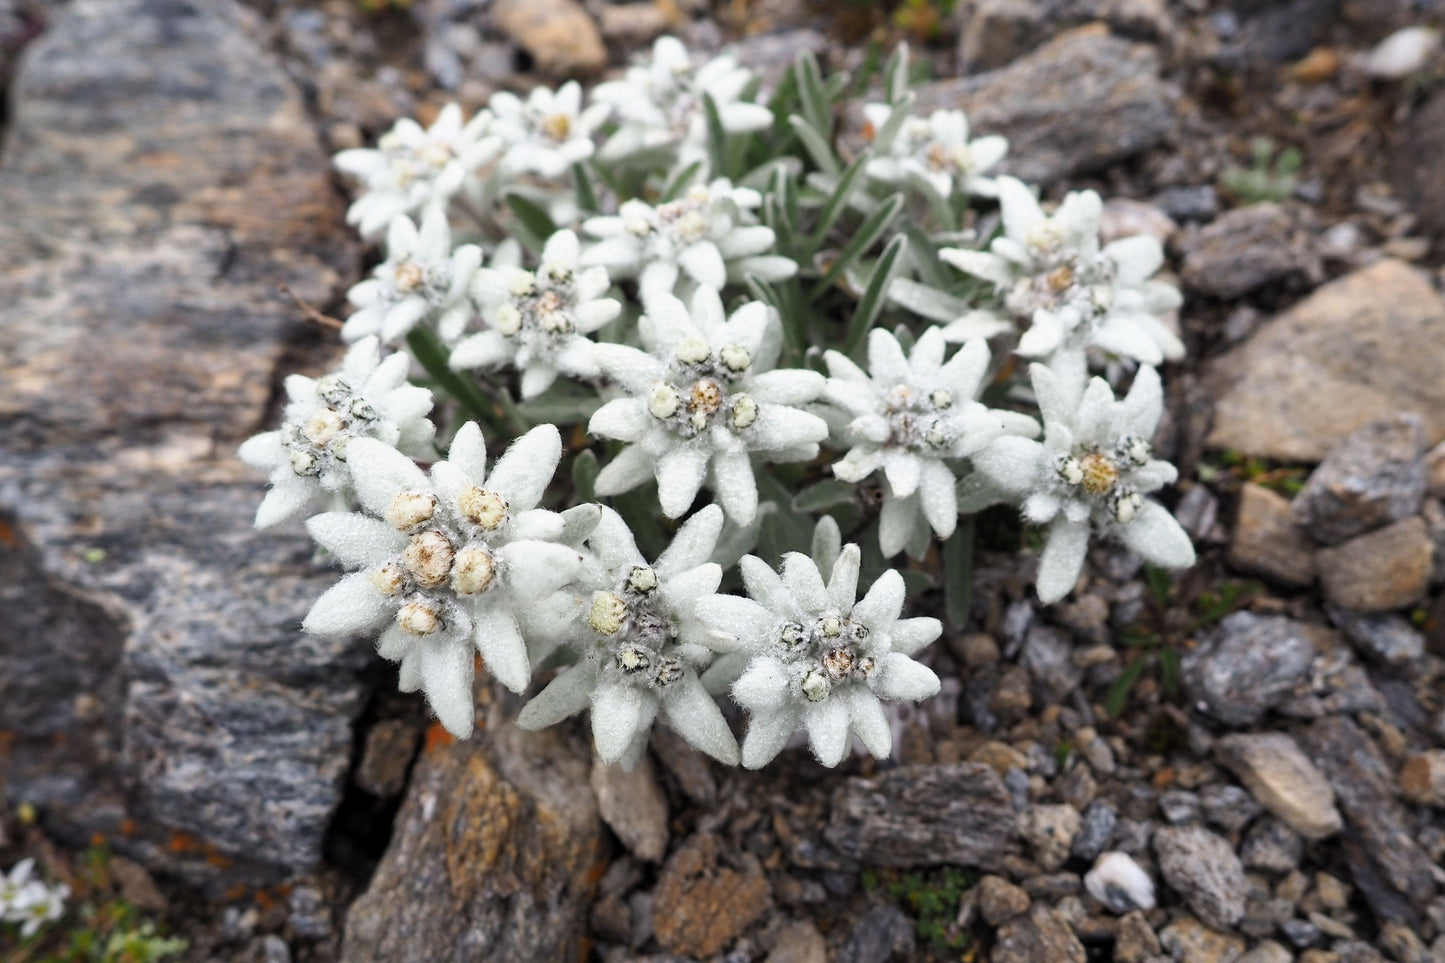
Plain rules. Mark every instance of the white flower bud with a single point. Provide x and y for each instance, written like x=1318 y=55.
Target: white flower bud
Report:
x=831 y=626
x=941 y=399
x=745 y=411
x=1125 y=504
x=837 y=663
x=523 y=284
x=362 y=410
x=698 y=194
x=338 y=447
x=556 y=126
x=642 y=579
x=608 y=612
x=815 y=686
x=507 y=320
x=408 y=277
x=388 y=580
x=633 y=659
x=938 y=434
x=332 y=389
x=692 y=351
x=429 y=559
x=304 y=463
x=436 y=154
x=410 y=509
x=322 y=426
x=1100 y=473
x=485 y=509
x=1069 y=470
x=791 y=634
x=636 y=226
x=1136 y=450
x=698 y=420
x=419 y=617
x=1102 y=296
x=473 y=570
x=865 y=666
x=735 y=357
x=669 y=670
x=662 y=401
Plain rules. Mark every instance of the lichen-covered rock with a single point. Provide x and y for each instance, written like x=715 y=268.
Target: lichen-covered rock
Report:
x=160 y=179
x=1372 y=478
x=704 y=899
x=1203 y=869
x=492 y=857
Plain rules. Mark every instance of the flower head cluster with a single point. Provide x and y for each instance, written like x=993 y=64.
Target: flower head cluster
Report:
x=823 y=658
x=1089 y=475
x=1053 y=276
x=641 y=642
x=539 y=321
x=29 y=901
x=702 y=400
x=451 y=564
x=413 y=168
x=546 y=133
x=910 y=417
x=422 y=278
x=660 y=104
x=309 y=455
x=935 y=149
x=702 y=236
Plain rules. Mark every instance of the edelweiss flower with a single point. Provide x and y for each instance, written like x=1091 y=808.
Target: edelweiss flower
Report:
x=936 y=149
x=30 y=902
x=1090 y=475
x=822 y=661
x=1052 y=274
x=451 y=563
x=703 y=400
x=366 y=397
x=539 y=321
x=421 y=278
x=660 y=104
x=641 y=643
x=412 y=168
x=548 y=132
x=701 y=234
x=909 y=417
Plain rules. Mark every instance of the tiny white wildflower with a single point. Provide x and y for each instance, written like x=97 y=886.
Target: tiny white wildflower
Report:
x=936 y=149
x=367 y=396
x=704 y=236
x=422 y=279
x=15 y=893
x=822 y=658
x=413 y=168
x=1089 y=475
x=546 y=133
x=463 y=577
x=910 y=416
x=688 y=413
x=37 y=905
x=641 y=642
x=539 y=321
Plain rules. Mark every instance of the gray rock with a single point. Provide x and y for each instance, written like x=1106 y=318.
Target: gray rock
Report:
x=799 y=942
x=1245 y=665
x=1284 y=781
x=1049 y=830
x=1231 y=808
x=771 y=55
x=882 y=934
x=386 y=756
x=1385 y=638
x=560 y=35
x=1389 y=867
x=1416 y=179
x=1267 y=541
x=926 y=816
x=1043 y=934
x=491 y=858
x=160 y=179
x=1096 y=828
x=1374 y=477
x=1000 y=900
x=1386 y=569
x=1271 y=846
x=1048 y=656
x=1203 y=869
x=1247 y=248
x=1339 y=359
x=1078 y=104
x=1267 y=952
x=633 y=806
x=1179 y=806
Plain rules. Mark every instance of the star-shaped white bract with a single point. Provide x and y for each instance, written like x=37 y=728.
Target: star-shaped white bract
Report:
x=539 y=321
x=641 y=643
x=451 y=565
x=546 y=133
x=660 y=104
x=414 y=168
x=702 y=401
x=1053 y=276
x=1089 y=475
x=703 y=237
x=366 y=397
x=909 y=417
x=422 y=279
x=823 y=659
x=935 y=149
x=28 y=901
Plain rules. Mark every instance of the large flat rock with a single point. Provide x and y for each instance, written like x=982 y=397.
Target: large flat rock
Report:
x=160 y=178
x=1365 y=346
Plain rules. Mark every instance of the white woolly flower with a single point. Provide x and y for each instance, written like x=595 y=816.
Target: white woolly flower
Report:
x=660 y=104
x=414 y=168
x=703 y=401
x=702 y=235
x=1052 y=275
x=1088 y=476
x=28 y=901
x=641 y=642
x=367 y=396
x=539 y=321
x=452 y=565
x=936 y=149
x=910 y=415
x=15 y=891
x=422 y=278
x=823 y=659
x=546 y=133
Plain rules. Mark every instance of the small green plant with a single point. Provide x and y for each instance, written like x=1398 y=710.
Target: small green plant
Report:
x=931 y=897
x=1269 y=177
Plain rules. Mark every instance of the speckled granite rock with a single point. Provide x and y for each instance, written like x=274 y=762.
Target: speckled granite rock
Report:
x=160 y=179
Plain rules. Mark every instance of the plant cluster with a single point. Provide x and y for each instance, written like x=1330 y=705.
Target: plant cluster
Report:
x=745 y=336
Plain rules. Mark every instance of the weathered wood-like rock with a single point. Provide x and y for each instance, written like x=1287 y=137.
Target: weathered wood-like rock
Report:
x=1341 y=358
x=926 y=816
x=492 y=856
x=160 y=179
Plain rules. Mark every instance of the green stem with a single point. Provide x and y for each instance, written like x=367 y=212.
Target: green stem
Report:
x=497 y=412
